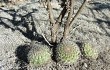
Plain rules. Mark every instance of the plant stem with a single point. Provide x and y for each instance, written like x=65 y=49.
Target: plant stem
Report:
x=78 y=12
x=57 y=24
x=70 y=20
x=67 y=27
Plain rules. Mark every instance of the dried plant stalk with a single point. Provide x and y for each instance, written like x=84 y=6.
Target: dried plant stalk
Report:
x=79 y=11
x=67 y=25
x=69 y=22
x=52 y=21
x=49 y=7
x=55 y=24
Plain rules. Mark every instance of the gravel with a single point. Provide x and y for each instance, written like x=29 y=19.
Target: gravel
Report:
x=16 y=33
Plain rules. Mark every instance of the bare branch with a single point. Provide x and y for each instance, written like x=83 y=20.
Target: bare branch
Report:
x=67 y=27
x=49 y=7
x=78 y=12
x=69 y=20
x=57 y=25
x=61 y=16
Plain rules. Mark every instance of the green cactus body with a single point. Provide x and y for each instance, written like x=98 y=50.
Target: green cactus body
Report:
x=90 y=52
x=67 y=53
x=39 y=55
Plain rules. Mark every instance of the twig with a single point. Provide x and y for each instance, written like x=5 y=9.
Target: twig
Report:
x=52 y=21
x=67 y=27
x=57 y=24
x=49 y=8
x=69 y=20
x=42 y=33
x=79 y=11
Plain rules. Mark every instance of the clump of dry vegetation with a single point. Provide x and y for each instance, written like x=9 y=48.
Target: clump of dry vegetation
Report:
x=65 y=51
x=63 y=55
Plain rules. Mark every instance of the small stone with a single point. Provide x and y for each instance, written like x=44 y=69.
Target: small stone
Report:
x=85 y=64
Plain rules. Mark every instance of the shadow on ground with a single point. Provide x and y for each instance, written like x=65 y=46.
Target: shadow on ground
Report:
x=22 y=58
x=98 y=7
x=22 y=50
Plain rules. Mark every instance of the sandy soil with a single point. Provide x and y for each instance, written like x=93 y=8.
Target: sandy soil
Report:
x=16 y=33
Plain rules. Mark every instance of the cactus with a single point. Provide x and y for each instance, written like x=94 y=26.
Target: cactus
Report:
x=39 y=55
x=67 y=53
x=90 y=52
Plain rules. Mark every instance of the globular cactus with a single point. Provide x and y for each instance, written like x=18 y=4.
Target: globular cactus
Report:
x=90 y=51
x=67 y=53
x=39 y=55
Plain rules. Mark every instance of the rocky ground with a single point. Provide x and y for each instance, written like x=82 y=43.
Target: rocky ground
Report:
x=17 y=30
